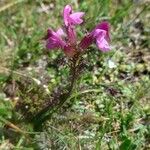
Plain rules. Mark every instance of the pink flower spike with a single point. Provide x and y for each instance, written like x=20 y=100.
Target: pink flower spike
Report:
x=101 y=42
x=72 y=18
x=54 y=40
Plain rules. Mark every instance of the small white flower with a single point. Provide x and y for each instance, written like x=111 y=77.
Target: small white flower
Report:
x=111 y=64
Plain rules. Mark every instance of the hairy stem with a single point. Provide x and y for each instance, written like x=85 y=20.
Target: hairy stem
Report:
x=47 y=112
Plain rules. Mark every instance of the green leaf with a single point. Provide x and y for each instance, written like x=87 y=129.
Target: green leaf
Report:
x=127 y=145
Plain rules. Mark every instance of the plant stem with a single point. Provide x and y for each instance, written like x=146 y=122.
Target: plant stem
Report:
x=47 y=112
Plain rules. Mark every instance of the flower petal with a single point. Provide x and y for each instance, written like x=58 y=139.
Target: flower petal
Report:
x=67 y=11
x=99 y=33
x=60 y=32
x=102 y=44
x=101 y=40
x=51 y=44
x=75 y=18
x=54 y=40
x=104 y=26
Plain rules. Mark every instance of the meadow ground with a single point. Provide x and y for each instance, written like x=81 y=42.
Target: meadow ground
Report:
x=109 y=107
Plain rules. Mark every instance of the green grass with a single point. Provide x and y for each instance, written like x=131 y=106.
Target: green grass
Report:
x=109 y=108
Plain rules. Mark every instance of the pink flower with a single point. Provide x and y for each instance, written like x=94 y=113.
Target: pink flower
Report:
x=72 y=18
x=68 y=41
x=101 y=39
x=104 y=26
x=100 y=34
x=54 y=39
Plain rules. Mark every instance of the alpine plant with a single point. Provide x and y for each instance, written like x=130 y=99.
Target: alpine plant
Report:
x=66 y=38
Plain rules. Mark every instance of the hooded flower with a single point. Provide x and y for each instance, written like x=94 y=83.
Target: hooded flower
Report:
x=72 y=18
x=54 y=39
x=104 y=26
x=101 y=39
x=100 y=34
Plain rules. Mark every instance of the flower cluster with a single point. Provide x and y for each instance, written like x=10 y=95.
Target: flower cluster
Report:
x=66 y=38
